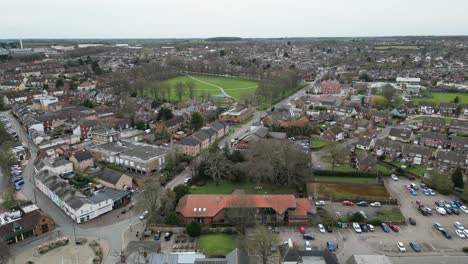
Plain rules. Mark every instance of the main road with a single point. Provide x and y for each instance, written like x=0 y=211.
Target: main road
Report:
x=112 y=233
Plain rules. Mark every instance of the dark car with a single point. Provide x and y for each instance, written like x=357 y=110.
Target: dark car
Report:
x=439 y=203
x=423 y=185
x=157 y=236
x=415 y=246
x=364 y=228
x=449 y=211
x=446 y=234
x=422 y=211
x=308 y=237
x=362 y=203
x=455 y=211
x=329 y=229
x=168 y=236
x=412 y=221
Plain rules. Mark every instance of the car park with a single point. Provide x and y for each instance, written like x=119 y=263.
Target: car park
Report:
x=385 y=227
x=459 y=225
x=357 y=227
x=401 y=247
x=321 y=228
x=371 y=227
x=308 y=246
x=320 y=203
x=375 y=204
x=348 y=203
x=415 y=246
x=330 y=246
x=460 y=233
x=412 y=221
x=362 y=204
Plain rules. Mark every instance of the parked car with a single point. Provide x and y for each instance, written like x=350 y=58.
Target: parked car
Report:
x=188 y=180
x=446 y=234
x=439 y=203
x=301 y=229
x=413 y=186
x=426 y=192
x=413 y=192
x=308 y=246
x=143 y=216
x=320 y=203
x=423 y=185
x=157 y=236
x=448 y=211
x=321 y=228
x=370 y=227
x=459 y=225
x=419 y=203
x=394 y=227
x=465 y=231
x=308 y=237
x=17 y=187
x=438 y=226
x=433 y=193
x=364 y=228
x=348 y=203
x=394 y=177
x=385 y=227
x=147 y=232
x=453 y=204
x=329 y=229
x=428 y=211
x=415 y=246
x=455 y=211
x=330 y=246
x=362 y=203
x=375 y=204
x=401 y=247
x=441 y=210
x=464 y=209
x=168 y=236
x=357 y=227
x=460 y=233
x=412 y=221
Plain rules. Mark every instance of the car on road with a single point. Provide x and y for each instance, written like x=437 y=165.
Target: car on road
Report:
x=362 y=204
x=157 y=236
x=168 y=236
x=394 y=227
x=438 y=226
x=459 y=225
x=348 y=203
x=401 y=247
x=321 y=228
x=308 y=246
x=188 y=180
x=446 y=234
x=375 y=204
x=301 y=229
x=308 y=236
x=357 y=227
x=371 y=227
x=412 y=221
x=464 y=209
x=143 y=216
x=320 y=203
x=441 y=210
x=460 y=233
x=330 y=246
x=385 y=227
x=394 y=177
x=415 y=246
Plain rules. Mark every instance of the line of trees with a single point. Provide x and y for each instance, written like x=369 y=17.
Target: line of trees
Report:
x=274 y=88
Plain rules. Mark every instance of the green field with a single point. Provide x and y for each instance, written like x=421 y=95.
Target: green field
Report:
x=206 y=85
x=228 y=187
x=396 y=47
x=443 y=98
x=343 y=189
x=216 y=244
x=345 y=179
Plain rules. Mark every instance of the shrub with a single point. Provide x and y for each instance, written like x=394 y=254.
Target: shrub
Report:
x=194 y=229
x=465 y=249
x=229 y=231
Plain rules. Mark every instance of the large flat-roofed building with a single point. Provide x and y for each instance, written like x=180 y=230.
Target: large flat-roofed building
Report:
x=134 y=156
x=236 y=114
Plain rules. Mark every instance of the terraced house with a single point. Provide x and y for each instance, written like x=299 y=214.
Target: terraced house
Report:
x=387 y=148
x=416 y=154
x=434 y=124
x=432 y=139
x=449 y=161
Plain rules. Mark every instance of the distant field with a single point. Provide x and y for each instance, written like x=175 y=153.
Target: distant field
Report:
x=396 y=47
x=204 y=85
x=443 y=98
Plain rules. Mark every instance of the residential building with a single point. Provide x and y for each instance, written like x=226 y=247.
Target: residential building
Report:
x=365 y=163
x=44 y=102
x=172 y=125
x=427 y=108
x=82 y=160
x=381 y=117
x=290 y=254
x=115 y=179
x=327 y=87
x=387 y=148
x=334 y=133
x=189 y=146
x=432 y=139
x=86 y=86
x=365 y=143
x=58 y=166
x=236 y=114
x=271 y=208
x=103 y=136
x=434 y=124
x=416 y=154
x=400 y=134
x=459 y=144
x=458 y=125
x=448 y=161
x=448 y=109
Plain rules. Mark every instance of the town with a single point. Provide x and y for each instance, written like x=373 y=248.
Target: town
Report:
x=236 y=151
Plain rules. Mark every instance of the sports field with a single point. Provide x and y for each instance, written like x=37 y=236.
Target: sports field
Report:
x=211 y=85
x=443 y=98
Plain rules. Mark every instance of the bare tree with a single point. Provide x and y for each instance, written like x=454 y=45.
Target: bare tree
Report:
x=155 y=89
x=191 y=86
x=240 y=212
x=217 y=166
x=335 y=154
x=156 y=200
x=261 y=243
x=179 y=89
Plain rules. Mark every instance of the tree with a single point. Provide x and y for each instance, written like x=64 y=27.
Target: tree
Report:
x=181 y=190
x=164 y=114
x=140 y=124
x=191 y=86
x=96 y=68
x=457 y=178
x=261 y=243
x=456 y=99
x=196 y=120
x=388 y=92
x=357 y=217
x=335 y=154
x=361 y=88
x=59 y=83
x=464 y=195
x=217 y=166
x=88 y=103
x=158 y=201
x=179 y=89
x=193 y=229
x=379 y=102
x=57 y=131
x=240 y=212
x=440 y=182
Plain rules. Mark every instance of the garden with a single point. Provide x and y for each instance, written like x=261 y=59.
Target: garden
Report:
x=216 y=244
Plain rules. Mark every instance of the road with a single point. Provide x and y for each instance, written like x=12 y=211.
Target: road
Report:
x=111 y=233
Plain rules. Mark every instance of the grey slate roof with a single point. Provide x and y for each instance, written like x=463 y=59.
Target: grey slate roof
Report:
x=110 y=176
x=83 y=155
x=400 y=133
x=189 y=141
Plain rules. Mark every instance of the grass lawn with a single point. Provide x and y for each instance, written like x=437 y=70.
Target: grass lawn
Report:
x=416 y=169
x=315 y=142
x=216 y=244
x=345 y=179
x=383 y=169
x=233 y=86
x=344 y=168
x=443 y=98
x=390 y=215
x=342 y=189
x=228 y=187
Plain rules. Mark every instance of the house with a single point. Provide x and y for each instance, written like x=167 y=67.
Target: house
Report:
x=189 y=146
x=203 y=137
x=448 y=109
x=334 y=133
x=290 y=254
x=416 y=154
x=172 y=125
x=432 y=139
x=82 y=160
x=252 y=138
x=345 y=111
x=459 y=144
x=427 y=108
x=464 y=109
x=236 y=114
x=434 y=124
x=271 y=208
x=458 y=125
x=327 y=87
x=448 y=161
x=404 y=110
x=294 y=122
x=85 y=127
x=58 y=166
x=348 y=123
x=115 y=179
x=365 y=143
x=365 y=163
x=381 y=117
x=86 y=86
x=387 y=148
x=103 y=136
x=400 y=134
x=27 y=222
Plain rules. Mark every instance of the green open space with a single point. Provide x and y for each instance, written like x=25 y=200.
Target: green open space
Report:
x=316 y=142
x=442 y=98
x=234 y=87
x=216 y=244
x=344 y=168
x=343 y=189
x=228 y=187
x=345 y=179
x=383 y=169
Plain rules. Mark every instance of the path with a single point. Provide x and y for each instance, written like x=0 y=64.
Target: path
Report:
x=214 y=85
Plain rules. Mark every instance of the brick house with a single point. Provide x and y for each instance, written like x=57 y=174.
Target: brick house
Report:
x=189 y=146
x=330 y=87
x=221 y=128
x=457 y=125
x=30 y=224
x=448 y=161
x=82 y=160
x=204 y=138
x=432 y=139
x=334 y=133
x=115 y=179
x=172 y=125
x=416 y=154
x=365 y=163
x=365 y=143
x=381 y=117
x=459 y=144
x=387 y=148
x=273 y=208
x=433 y=123
x=236 y=114
x=448 y=109
x=400 y=134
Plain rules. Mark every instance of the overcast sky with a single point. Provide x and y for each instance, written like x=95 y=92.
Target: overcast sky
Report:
x=243 y=18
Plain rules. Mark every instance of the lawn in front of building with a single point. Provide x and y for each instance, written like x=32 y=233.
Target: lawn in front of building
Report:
x=216 y=244
x=228 y=187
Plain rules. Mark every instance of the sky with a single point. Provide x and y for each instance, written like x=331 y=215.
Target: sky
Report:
x=241 y=18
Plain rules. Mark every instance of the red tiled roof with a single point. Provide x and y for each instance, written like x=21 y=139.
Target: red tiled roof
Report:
x=303 y=206
x=209 y=205
x=326 y=84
